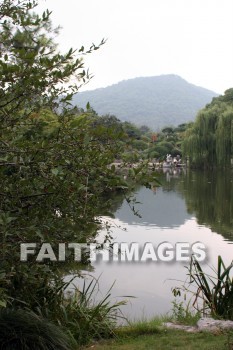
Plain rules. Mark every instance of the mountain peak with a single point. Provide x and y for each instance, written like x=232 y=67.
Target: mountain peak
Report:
x=155 y=101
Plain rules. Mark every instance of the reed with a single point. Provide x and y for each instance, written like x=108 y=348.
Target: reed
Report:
x=86 y=318
x=216 y=291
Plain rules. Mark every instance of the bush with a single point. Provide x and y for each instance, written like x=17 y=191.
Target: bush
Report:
x=23 y=330
x=78 y=312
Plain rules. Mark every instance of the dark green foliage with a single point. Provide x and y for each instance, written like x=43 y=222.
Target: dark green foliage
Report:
x=54 y=165
x=81 y=312
x=23 y=330
x=154 y=101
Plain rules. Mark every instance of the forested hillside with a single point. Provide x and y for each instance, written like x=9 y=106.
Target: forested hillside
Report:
x=154 y=101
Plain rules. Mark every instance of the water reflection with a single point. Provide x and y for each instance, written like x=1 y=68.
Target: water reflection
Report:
x=209 y=196
x=189 y=207
x=164 y=210
x=206 y=195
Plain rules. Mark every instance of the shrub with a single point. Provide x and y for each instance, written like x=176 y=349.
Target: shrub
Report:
x=23 y=330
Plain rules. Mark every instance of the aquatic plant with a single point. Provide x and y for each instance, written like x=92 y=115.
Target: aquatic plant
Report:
x=214 y=290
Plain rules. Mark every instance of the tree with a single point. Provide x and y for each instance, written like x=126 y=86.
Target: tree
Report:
x=54 y=165
x=209 y=140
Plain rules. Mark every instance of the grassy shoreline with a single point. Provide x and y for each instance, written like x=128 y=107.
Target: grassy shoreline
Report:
x=153 y=335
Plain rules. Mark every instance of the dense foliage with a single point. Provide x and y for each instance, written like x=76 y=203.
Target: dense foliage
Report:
x=143 y=143
x=24 y=330
x=140 y=142
x=54 y=165
x=209 y=142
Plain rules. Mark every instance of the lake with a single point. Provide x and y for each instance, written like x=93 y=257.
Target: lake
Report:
x=188 y=207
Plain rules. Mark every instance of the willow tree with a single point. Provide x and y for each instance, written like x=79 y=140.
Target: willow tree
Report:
x=209 y=141
x=224 y=137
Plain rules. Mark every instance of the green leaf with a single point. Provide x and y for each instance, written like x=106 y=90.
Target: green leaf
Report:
x=55 y=171
x=2 y=303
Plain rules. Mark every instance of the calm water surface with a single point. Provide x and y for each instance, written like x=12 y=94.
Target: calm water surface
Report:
x=188 y=207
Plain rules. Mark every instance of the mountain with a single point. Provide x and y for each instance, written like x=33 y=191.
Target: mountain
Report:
x=154 y=101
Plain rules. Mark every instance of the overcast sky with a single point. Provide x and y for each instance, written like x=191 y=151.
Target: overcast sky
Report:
x=190 y=38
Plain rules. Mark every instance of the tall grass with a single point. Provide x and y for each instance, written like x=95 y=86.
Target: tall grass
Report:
x=215 y=290
x=80 y=313
x=89 y=319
